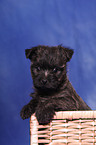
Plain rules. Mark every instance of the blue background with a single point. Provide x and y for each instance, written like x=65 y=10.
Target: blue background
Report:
x=27 y=23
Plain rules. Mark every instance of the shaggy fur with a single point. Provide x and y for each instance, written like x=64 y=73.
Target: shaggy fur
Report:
x=53 y=91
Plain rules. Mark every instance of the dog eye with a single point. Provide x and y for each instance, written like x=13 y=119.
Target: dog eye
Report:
x=38 y=68
x=55 y=70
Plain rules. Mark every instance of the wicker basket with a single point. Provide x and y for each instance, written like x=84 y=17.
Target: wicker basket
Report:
x=67 y=127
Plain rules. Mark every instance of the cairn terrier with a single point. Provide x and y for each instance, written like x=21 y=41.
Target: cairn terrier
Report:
x=52 y=89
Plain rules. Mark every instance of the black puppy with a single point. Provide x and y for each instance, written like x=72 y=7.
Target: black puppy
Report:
x=53 y=91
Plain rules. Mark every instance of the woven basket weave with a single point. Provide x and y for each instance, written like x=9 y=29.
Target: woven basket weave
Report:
x=67 y=127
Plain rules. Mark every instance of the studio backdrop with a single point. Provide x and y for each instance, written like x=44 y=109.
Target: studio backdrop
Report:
x=28 y=23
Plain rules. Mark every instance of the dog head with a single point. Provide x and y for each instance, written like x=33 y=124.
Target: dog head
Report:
x=48 y=66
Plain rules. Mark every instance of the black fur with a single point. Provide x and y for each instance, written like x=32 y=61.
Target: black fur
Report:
x=53 y=91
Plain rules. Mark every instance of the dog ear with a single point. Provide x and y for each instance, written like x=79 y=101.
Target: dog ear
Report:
x=31 y=53
x=69 y=52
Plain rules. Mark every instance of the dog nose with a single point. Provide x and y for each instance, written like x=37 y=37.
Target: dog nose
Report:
x=44 y=81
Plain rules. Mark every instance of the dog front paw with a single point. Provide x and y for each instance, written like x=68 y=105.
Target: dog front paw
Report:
x=25 y=112
x=45 y=116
